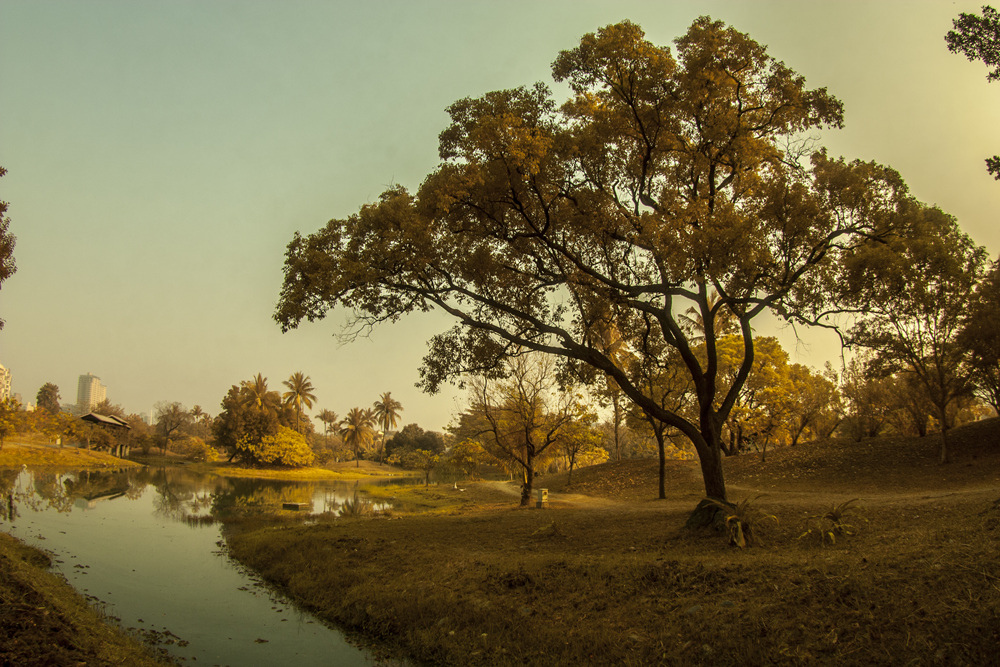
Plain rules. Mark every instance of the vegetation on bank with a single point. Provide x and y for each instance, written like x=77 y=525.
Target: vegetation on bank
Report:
x=14 y=455
x=44 y=621
x=342 y=471
x=609 y=575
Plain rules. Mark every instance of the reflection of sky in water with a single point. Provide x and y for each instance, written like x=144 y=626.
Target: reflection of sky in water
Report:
x=134 y=541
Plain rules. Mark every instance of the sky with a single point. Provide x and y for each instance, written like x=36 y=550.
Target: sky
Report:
x=162 y=154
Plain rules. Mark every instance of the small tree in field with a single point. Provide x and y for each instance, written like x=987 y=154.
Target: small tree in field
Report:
x=424 y=461
x=521 y=419
x=170 y=418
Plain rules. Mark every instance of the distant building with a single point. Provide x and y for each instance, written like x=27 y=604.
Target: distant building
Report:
x=4 y=382
x=89 y=392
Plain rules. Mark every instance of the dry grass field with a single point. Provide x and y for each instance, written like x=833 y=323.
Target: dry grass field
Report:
x=609 y=575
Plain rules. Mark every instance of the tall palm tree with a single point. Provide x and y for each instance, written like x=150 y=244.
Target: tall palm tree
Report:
x=299 y=393
x=356 y=430
x=387 y=411
x=329 y=419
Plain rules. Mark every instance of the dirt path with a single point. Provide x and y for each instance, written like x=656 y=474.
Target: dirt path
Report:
x=573 y=500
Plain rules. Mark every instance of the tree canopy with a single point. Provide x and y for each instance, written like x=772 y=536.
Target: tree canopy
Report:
x=912 y=294
x=7 y=241
x=48 y=398
x=978 y=38
x=664 y=184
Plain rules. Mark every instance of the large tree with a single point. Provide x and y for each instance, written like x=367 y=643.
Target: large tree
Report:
x=249 y=416
x=48 y=398
x=978 y=38
x=661 y=182
x=980 y=335
x=912 y=294
x=7 y=241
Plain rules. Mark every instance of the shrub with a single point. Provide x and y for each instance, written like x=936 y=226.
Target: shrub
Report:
x=835 y=523
x=357 y=506
x=286 y=447
x=195 y=449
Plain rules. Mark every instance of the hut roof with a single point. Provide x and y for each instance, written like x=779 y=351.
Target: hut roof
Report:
x=106 y=420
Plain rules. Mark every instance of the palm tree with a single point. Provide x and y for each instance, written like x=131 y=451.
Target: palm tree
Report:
x=198 y=415
x=257 y=393
x=299 y=393
x=329 y=419
x=387 y=411
x=356 y=430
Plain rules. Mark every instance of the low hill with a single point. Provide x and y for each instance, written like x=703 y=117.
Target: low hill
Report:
x=877 y=465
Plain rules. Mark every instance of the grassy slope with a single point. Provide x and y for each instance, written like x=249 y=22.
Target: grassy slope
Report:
x=15 y=455
x=611 y=577
x=43 y=621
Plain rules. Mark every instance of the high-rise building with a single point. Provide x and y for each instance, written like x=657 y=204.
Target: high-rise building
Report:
x=89 y=392
x=4 y=383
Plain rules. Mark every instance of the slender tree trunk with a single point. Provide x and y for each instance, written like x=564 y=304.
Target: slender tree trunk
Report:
x=945 y=455
x=663 y=462
x=529 y=478
x=618 y=424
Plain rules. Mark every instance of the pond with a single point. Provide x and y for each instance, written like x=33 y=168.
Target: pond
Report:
x=146 y=546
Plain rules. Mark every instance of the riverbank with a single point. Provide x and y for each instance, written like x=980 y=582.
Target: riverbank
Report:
x=608 y=575
x=44 y=621
x=42 y=457
x=345 y=471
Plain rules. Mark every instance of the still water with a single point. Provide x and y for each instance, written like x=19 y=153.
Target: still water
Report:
x=146 y=546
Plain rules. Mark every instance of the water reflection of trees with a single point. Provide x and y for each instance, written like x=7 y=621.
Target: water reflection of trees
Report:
x=198 y=500
x=38 y=491
x=182 y=495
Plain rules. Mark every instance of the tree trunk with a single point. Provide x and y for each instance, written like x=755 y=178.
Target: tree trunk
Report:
x=945 y=456
x=618 y=423
x=663 y=462
x=528 y=477
x=711 y=470
x=943 y=411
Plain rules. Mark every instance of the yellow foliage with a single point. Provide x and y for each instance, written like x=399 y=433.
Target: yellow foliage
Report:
x=286 y=447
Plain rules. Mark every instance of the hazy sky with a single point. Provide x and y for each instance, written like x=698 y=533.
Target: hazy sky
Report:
x=161 y=155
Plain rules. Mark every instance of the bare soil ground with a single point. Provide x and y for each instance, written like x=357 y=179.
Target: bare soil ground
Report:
x=607 y=574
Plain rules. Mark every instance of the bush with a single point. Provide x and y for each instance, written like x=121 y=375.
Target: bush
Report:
x=838 y=522
x=195 y=449
x=286 y=448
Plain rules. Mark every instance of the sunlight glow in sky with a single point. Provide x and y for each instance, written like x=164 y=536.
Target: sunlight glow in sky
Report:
x=161 y=155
